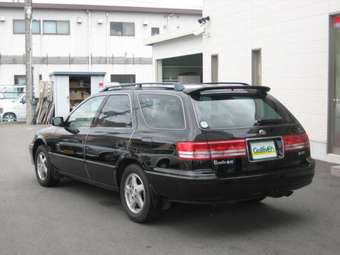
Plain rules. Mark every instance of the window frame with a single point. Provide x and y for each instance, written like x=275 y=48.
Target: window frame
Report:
x=162 y=94
x=95 y=123
x=96 y=115
x=33 y=20
x=16 y=76
x=331 y=148
x=159 y=31
x=133 y=75
x=214 y=68
x=56 y=22
x=256 y=67
x=123 y=22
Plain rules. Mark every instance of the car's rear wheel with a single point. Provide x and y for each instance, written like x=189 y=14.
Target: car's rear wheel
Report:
x=9 y=117
x=254 y=200
x=136 y=195
x=45 y=173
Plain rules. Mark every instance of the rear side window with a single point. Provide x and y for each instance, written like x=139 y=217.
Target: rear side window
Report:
x=116 y=112
x=231 y=111
x=162 y=111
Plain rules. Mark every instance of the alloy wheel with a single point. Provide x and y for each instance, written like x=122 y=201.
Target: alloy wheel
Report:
x=134 y=193
x=42 y=166
x=9 y=118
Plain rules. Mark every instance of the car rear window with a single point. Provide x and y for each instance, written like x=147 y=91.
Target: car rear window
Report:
x=223 y=111
x=162 y=111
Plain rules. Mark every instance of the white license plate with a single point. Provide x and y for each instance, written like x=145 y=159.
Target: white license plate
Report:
x=262 y=150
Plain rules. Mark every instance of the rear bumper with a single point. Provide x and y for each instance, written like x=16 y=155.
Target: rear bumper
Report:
x=205 y=187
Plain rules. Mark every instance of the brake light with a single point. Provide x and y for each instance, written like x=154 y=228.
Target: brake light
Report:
x=295 y=142
x=211 y=149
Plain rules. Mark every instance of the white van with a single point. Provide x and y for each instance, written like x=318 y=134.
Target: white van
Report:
x=13 y=110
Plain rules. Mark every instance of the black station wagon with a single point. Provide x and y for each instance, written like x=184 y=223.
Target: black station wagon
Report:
x=162 y=143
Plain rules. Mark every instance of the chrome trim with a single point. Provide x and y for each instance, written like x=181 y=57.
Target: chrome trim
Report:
x=83 y=159
x=99 y=163
x=66 y=156
x=188 y=176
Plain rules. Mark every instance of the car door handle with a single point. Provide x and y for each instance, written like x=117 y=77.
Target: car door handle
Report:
x=147 y=139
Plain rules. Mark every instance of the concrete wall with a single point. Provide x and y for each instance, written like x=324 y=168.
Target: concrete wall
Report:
x=294 y=38
x=86 y=39
x=187 y=45
x=182 y=46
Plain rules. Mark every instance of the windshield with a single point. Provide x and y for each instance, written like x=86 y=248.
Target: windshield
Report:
x=221 y=111
x=11 y=92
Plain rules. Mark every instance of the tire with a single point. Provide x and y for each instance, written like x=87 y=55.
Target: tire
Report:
x=9 y=117
x=136 y=196
x=44 y=171
x=254 y=200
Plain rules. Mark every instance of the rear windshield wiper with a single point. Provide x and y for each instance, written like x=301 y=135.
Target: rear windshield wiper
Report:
x=268 y=121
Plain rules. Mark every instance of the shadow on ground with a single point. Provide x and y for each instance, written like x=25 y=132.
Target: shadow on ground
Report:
x=203 y=220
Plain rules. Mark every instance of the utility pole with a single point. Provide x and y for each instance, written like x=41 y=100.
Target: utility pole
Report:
x=28 y=55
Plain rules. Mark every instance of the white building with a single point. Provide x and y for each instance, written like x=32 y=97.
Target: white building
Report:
x=291 y=46
x=77 y=42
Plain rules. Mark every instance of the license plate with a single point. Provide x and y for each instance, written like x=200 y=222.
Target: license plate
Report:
x=263 y=150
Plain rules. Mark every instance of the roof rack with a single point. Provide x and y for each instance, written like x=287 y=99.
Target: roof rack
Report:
x=163 y=85
x=190 y=88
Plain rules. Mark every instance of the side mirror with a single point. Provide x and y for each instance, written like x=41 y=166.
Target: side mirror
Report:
x=58 y=122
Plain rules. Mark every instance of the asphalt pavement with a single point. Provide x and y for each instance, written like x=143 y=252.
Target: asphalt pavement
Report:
x=75 y=218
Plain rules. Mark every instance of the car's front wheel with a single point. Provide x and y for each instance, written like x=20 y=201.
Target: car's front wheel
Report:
x=45 y=173
x=136 y=196
x=9 y=117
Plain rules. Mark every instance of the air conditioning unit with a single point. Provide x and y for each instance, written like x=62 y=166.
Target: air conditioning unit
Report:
x=79 y=20
x=2 y=19
x=100 y=22
x=145 y=23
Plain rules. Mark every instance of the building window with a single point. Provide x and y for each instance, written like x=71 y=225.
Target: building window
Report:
x=154 y=30
x=214 y=68
x=123 y=78
x=19 y=26
x=122 y=29
x=256 y=59
x=334 y=89
x=56 y=27
x=19 y=80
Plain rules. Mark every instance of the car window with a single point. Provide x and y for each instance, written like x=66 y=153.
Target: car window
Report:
x=228 y=111
x=162 y=111
x=85 y=114
x=116 y=112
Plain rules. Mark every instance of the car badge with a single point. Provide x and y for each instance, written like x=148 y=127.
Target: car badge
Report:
x=204 y=124
x=262 y=132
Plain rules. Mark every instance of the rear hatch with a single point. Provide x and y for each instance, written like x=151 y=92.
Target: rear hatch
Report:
x=247 y=131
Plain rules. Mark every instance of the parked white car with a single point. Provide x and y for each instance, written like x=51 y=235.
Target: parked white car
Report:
x=13 y=110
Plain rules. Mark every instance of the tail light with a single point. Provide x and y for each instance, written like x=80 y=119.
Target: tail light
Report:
x=295 y=142
x=211 y=149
